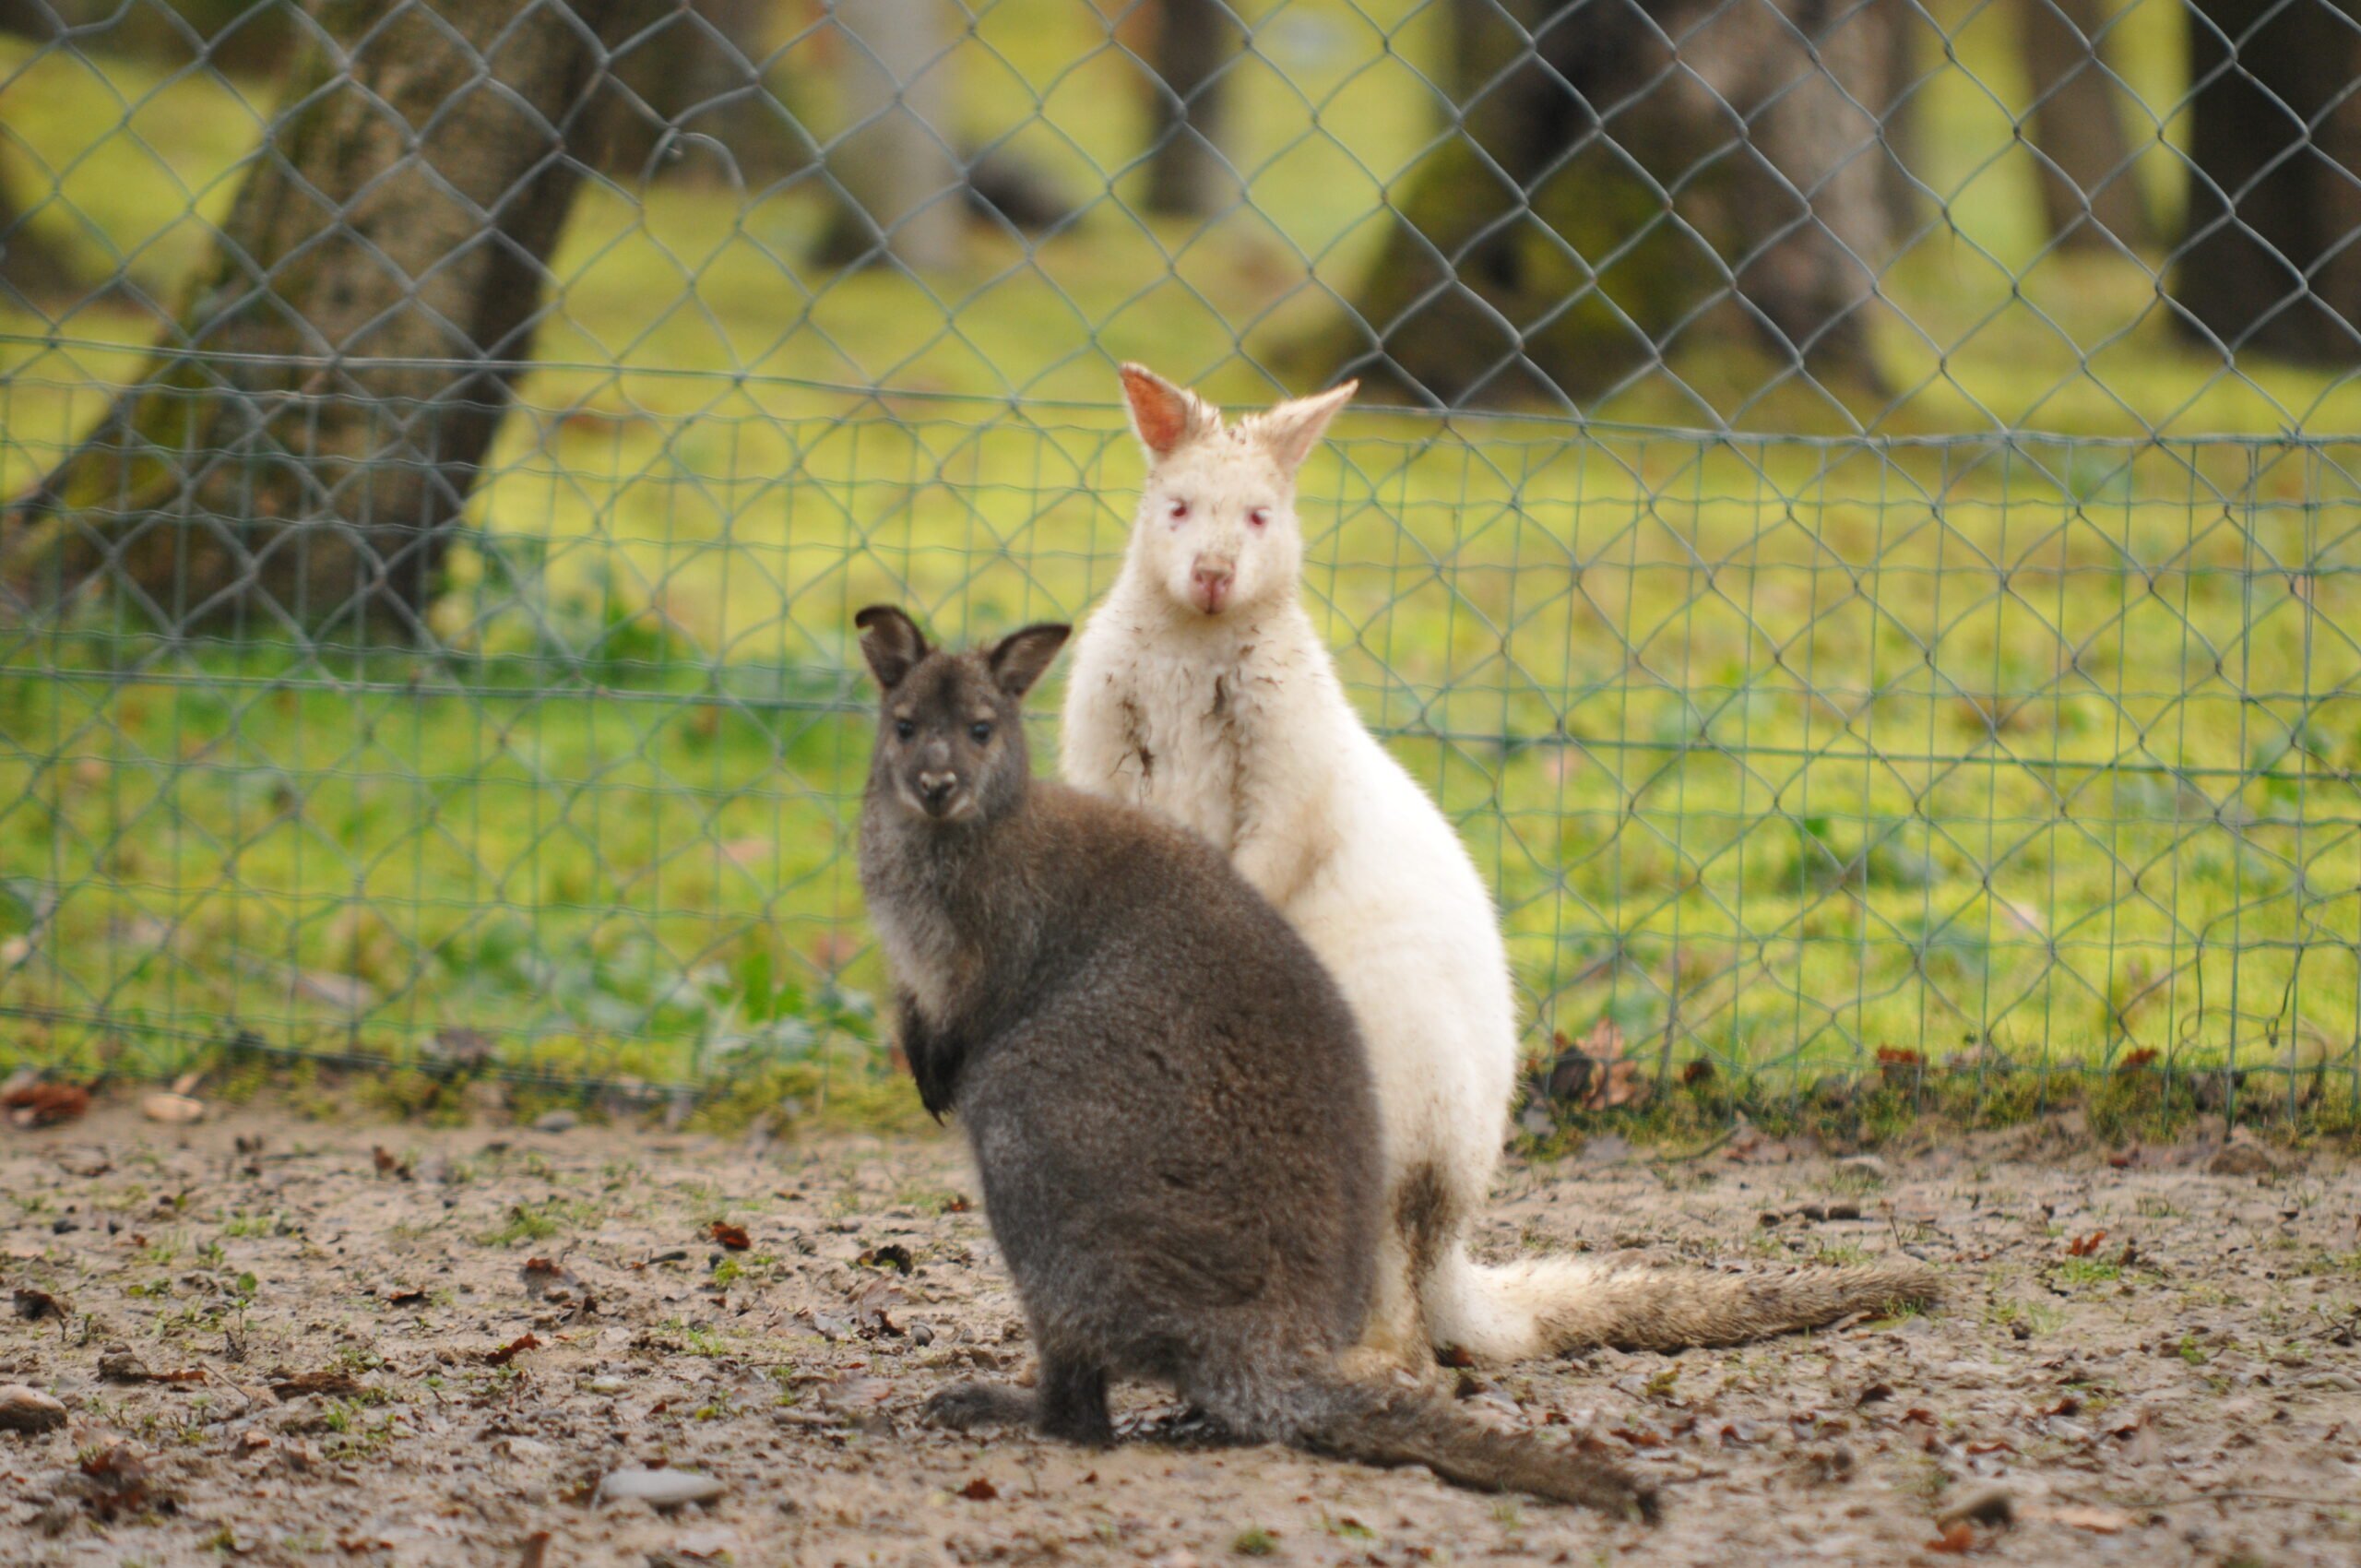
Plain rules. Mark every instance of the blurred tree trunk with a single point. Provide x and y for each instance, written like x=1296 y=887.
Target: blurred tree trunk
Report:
x=2088 y=192
x=1188 y=174
x=1607 y=200
x=36 y=20
x=1904 y=33
x=251 y=37
x=37 y=272
x=901 y=191
x=30 y=267
x=693 y=85
x=2274 y=146
x=293 y=451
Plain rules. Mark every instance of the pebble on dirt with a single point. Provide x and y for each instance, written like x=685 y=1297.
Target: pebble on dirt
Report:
x=28 y=1409
x=659 y=1489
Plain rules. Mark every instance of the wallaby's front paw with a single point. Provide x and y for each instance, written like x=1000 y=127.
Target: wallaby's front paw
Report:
x=972 y=1406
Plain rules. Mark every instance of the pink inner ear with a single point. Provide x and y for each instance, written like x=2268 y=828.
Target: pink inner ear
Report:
x=1161 y=414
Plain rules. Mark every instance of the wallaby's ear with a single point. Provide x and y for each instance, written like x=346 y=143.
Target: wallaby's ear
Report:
x=1018 y=659
x=1166 y=418
x=1289 y=430
x=892 y=642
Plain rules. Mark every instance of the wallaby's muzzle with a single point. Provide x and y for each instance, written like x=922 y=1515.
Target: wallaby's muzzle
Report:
x=937 y=792
x=1210 y=582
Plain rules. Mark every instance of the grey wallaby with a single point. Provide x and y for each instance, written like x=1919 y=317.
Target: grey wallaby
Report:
x=1166 y=1094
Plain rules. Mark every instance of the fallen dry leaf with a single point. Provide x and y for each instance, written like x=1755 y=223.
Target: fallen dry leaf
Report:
x=2084 y=1246
x=34 y=1306
x=732 y=1237
x=334 y=1381
x=1596 y=1074
x=979 y=1491
x=1901 y=1069
x=869 y=1310
x=546 y=1280
x=510 y=1352
x=1957 y=1540
x=118 y=1482
x=45 y=1105
x=2083 y=1517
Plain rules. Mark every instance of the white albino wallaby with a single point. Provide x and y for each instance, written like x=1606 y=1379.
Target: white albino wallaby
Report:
x=1201 y=691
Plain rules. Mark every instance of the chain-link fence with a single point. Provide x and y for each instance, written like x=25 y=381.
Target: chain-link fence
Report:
x=1853 y=509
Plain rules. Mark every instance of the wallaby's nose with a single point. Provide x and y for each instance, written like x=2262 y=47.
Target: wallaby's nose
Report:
x=1210 y=581
x=935 y=788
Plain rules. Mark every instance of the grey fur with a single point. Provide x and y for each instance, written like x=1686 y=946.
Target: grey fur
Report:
x=1166 y=1094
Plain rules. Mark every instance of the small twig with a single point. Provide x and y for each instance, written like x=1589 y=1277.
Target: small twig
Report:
x=1705 y=1474
x=2240 y=1494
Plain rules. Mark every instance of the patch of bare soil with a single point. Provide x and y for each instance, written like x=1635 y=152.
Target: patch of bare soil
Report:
x=268 y=1340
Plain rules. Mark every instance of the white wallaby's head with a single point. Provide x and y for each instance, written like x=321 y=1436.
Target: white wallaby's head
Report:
x=1216 y=528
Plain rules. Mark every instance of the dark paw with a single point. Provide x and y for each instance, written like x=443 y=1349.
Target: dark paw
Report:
x=973 y=1406
x=1087 y=1430
x=1181 y=1426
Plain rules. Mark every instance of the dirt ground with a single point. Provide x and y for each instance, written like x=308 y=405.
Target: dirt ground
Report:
x=277 y=1340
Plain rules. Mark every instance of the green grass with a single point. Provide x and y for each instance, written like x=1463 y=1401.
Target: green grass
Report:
x=1779 y=750
x=1794 y=752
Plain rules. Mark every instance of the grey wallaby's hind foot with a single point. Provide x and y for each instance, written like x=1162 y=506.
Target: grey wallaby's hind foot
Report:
x=1069 y=1405
x=978 y=1407
x=1166 y=1095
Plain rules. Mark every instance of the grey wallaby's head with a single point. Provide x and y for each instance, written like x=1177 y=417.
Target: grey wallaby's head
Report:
x=950 y=737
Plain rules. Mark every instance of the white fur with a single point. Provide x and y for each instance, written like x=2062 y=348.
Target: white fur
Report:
x=1234 y=724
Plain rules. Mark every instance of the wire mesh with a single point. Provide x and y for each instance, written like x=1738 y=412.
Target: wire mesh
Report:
x=1853 y=514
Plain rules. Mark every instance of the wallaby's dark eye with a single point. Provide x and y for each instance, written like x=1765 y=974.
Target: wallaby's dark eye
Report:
x=981 y=732
x=904 y=728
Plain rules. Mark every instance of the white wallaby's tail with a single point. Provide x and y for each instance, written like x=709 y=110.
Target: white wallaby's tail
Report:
x=1543 y=1306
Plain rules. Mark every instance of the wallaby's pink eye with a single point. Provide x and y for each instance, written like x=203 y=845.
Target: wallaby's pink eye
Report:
x=1178 y=510
x=1260 y=516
